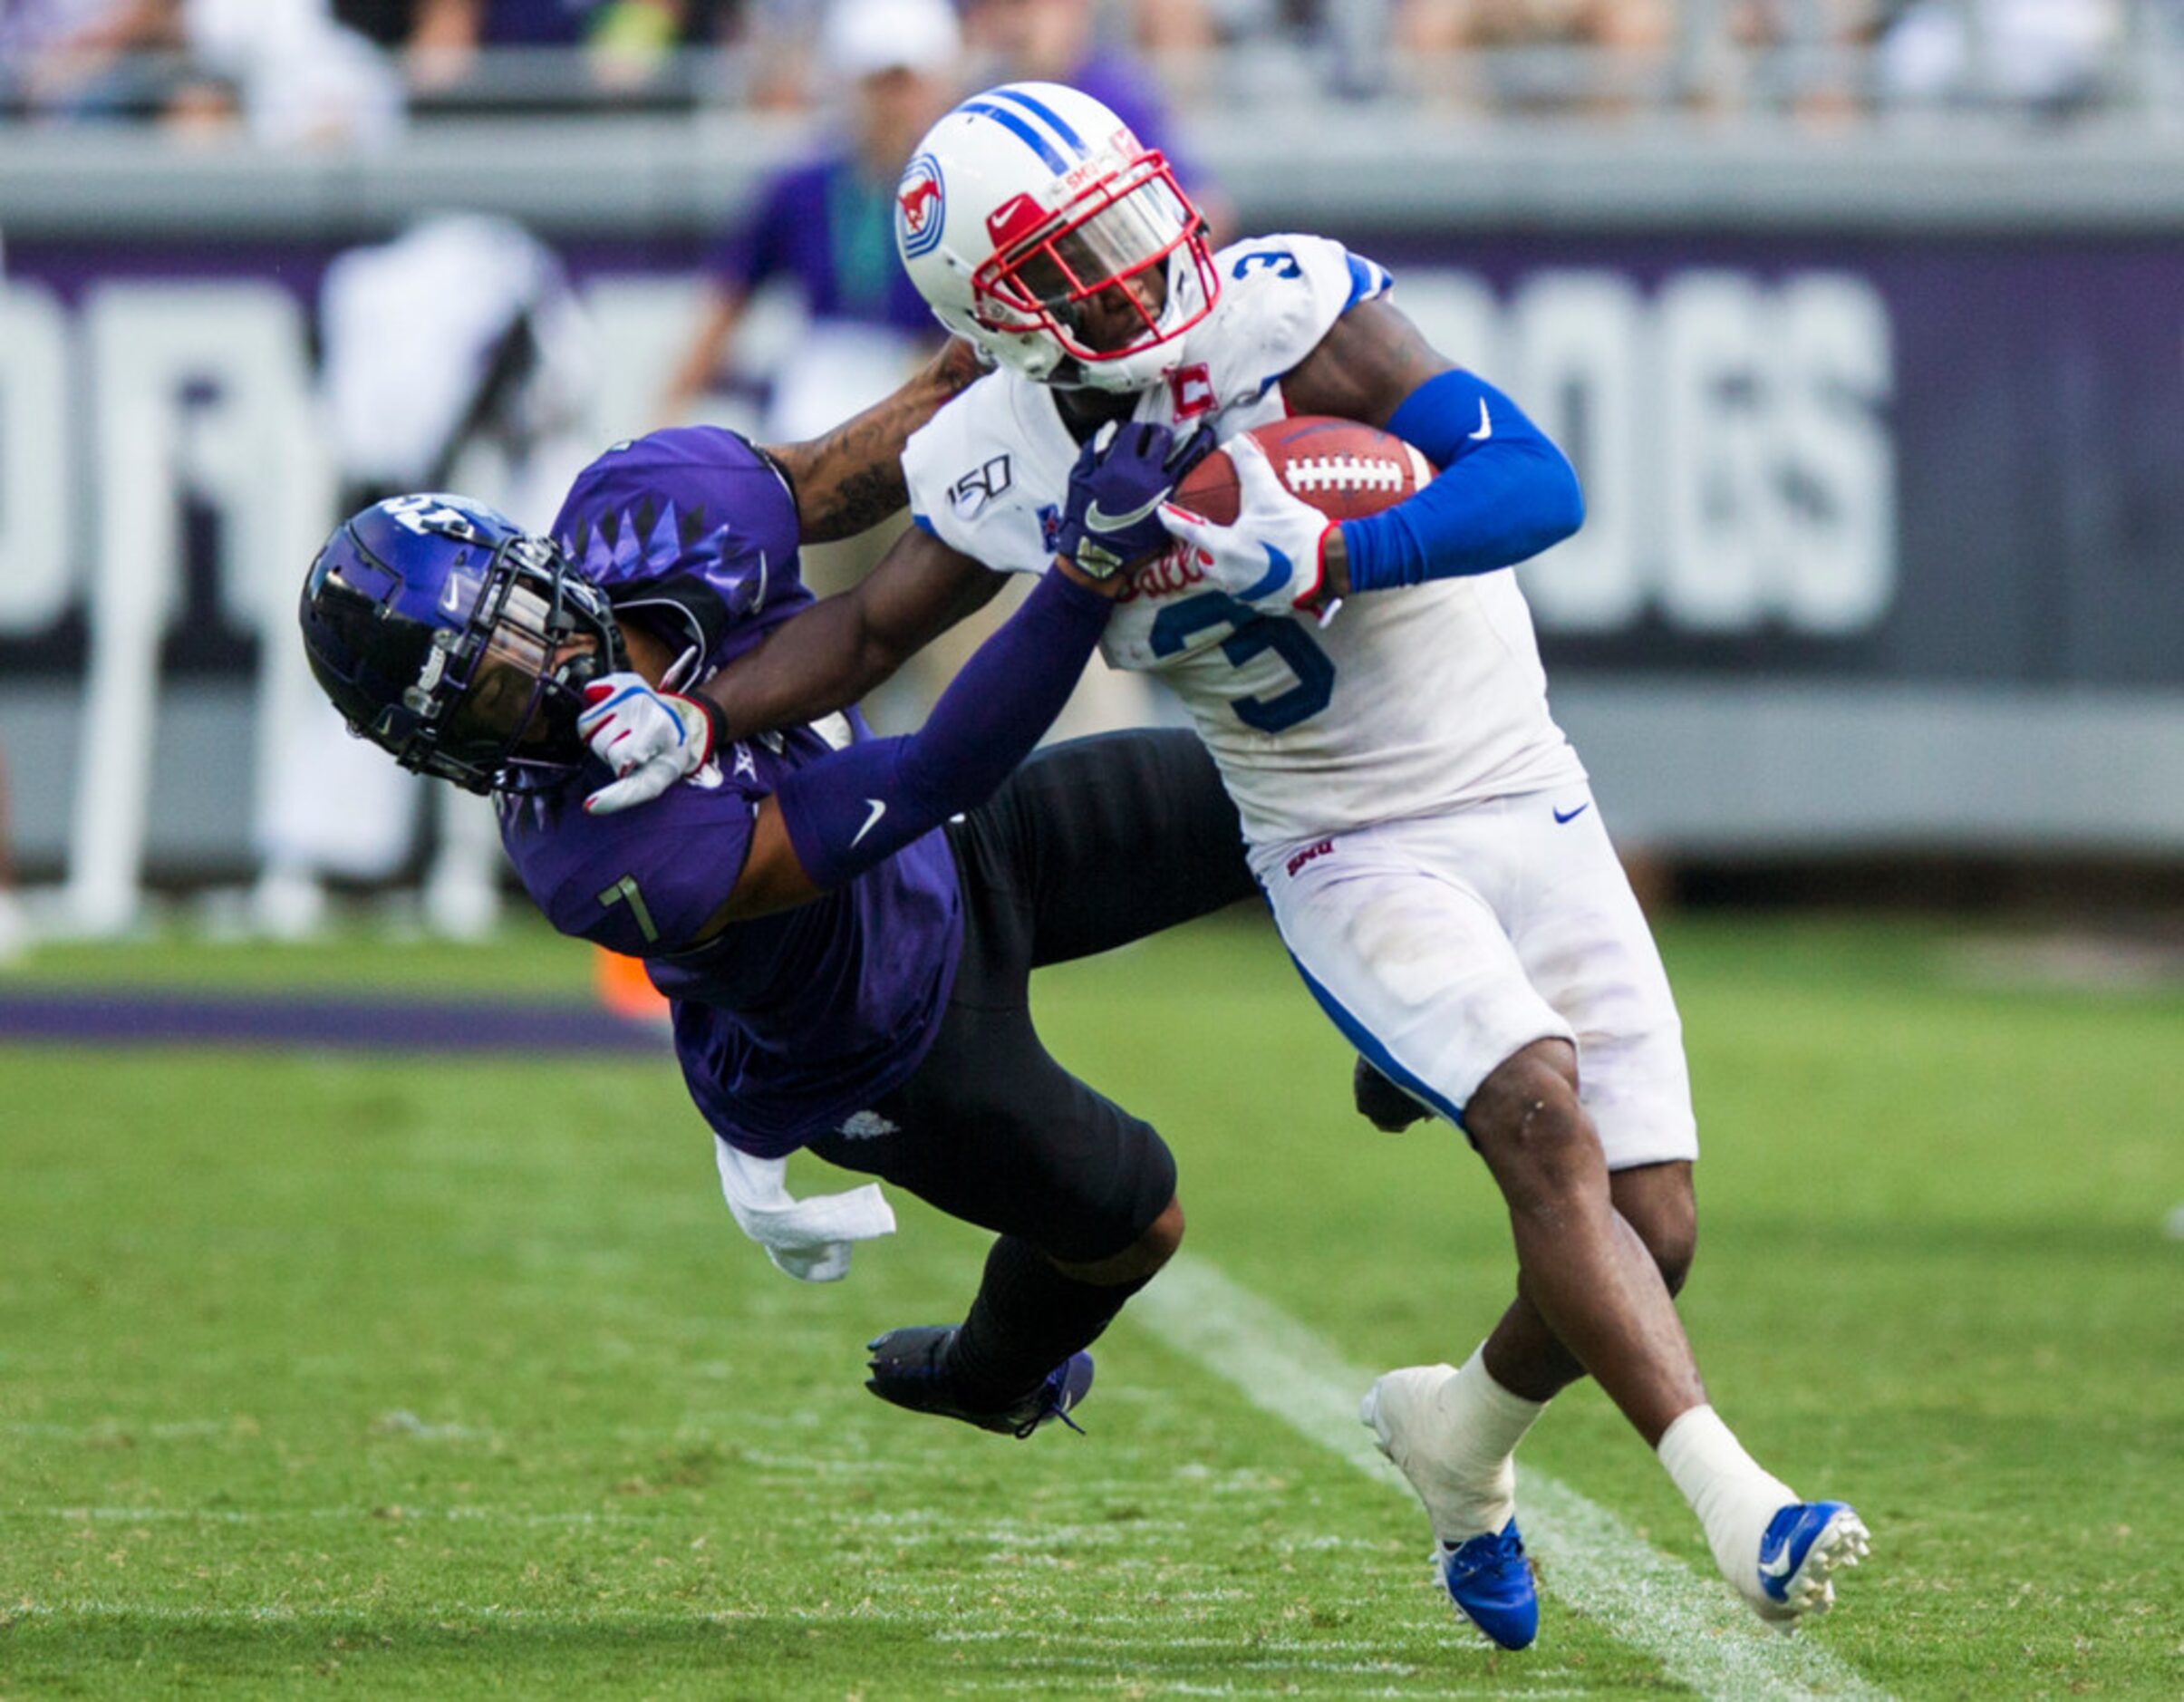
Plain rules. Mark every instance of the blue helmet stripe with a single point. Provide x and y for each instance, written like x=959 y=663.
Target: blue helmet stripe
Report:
x=1031 y=137
x=1040 y=109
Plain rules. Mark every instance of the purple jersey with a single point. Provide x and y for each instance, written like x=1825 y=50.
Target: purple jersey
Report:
x=831 y=229
x=690 y=532
x=787 y=1024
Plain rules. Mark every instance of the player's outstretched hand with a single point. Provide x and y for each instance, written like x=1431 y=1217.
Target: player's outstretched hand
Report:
x=1274 y=555
x=1111 y=514
x=649 y=736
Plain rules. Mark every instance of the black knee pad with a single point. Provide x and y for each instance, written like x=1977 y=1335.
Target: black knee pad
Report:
x=1136 y=1190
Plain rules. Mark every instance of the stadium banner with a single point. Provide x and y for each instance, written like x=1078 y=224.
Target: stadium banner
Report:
x=1891 y=465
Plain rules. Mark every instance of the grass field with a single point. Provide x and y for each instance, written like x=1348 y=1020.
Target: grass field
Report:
x=429 y=1377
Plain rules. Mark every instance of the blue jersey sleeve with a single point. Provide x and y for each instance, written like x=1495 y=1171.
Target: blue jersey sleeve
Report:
x=1503 y=494
x=692 y=529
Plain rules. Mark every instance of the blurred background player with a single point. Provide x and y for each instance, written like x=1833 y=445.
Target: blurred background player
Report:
x=846 y=976
x=454 y=355
x=825 y=229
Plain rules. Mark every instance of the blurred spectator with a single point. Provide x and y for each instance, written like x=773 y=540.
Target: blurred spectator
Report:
x=1806 y=55
x=1059 y=40
x=1594 y=55
x=384 y=24
x=285 y=69
x=826 y=228
x=1160 y=28
x=456 y=358
x=2049 y=54
x=1056 y=40
x=83 y=58
x=626 y=42
x=298 y=77
x=30 y=27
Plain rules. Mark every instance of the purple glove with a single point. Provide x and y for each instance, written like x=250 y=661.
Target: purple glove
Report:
x=1112 y=513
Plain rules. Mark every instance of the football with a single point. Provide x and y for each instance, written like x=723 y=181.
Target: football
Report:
x=1344 y=469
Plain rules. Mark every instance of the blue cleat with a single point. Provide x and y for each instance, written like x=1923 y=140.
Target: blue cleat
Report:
x=1803 y=1544
x=909 y=1368
x=1486 y=1575
x=1490 y=1581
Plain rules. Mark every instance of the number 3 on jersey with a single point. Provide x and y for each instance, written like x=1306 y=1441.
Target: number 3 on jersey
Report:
x=1253 y=636
x=1279 y=261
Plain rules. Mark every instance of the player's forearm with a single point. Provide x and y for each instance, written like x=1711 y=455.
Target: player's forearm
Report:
x=854 y=809
x=823 y=661
x=840 y=648
x=1503 y=494
x=857 y=806
x=851 y=480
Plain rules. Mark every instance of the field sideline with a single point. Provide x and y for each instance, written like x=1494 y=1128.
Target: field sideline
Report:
x=426 y=1374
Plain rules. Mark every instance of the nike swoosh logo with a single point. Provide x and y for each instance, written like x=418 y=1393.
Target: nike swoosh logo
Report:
x=1559 y=819
x=1779 y=1567
x=1100 y=520
x=1279 y=573
x=1486 y=423
x=879 y=808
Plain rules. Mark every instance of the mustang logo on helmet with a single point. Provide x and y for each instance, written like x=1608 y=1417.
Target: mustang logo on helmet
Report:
x=922 y=201
x=1071 y=253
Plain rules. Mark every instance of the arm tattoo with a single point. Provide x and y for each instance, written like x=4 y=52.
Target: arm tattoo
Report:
x=852 y=479
x=859 y=499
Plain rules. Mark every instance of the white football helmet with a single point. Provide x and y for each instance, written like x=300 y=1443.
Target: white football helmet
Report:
x=1029 y=200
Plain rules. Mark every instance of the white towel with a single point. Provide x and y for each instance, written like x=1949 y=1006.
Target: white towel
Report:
x=809 y=1239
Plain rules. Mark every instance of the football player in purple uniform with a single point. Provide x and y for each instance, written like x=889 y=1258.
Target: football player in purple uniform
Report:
x=844 y=925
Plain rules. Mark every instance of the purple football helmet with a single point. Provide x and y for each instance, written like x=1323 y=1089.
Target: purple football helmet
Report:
x=458 y=643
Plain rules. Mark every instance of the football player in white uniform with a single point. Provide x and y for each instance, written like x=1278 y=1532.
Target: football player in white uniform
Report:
x=1421 y=827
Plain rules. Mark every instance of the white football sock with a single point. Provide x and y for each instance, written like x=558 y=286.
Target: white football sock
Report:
x=1732 y=1494
x=1456 y=1444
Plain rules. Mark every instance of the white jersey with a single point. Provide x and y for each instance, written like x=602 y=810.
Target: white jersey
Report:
x=1409 y=703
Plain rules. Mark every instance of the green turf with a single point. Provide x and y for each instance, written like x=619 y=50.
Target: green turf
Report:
x=523 y=961
x=426 y=1377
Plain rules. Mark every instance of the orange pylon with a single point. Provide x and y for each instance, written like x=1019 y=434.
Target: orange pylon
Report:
x=625 y=990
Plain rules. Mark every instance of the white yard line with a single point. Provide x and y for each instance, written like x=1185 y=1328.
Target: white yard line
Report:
x=1690 y=1624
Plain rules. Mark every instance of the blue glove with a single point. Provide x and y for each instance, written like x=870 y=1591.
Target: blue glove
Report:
x=1112 y=514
